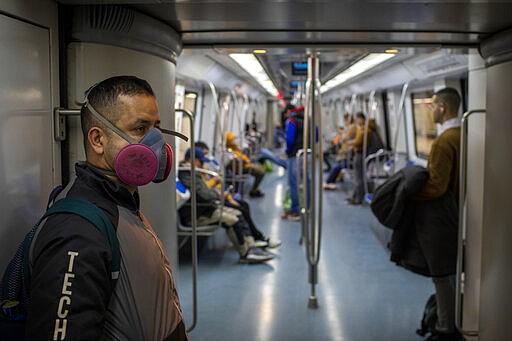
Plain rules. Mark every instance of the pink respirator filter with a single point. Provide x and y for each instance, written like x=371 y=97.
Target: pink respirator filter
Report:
x=136 y=165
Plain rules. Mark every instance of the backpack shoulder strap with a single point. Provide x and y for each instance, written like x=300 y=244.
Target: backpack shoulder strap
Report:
x=98 y=218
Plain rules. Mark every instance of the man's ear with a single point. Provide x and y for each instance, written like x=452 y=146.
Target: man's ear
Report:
x=442 y=107
x=97 y=139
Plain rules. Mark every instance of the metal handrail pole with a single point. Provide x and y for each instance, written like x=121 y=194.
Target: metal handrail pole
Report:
x=399 y=115
x=307 y=209
x=462 y=220
x=317 y=118
x=313 y=234
x=303 y=209
x=218 y=128
x=194 y=216
x=241 y=135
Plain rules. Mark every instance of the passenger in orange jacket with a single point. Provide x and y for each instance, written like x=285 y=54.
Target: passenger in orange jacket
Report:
x=255 y=169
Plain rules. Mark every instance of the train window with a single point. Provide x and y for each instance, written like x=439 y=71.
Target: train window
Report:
x=425 y=129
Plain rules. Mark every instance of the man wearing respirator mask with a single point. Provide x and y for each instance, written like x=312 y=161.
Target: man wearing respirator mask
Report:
x=124 y=149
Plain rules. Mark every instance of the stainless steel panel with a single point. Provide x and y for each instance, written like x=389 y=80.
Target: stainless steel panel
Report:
x=26 y=157
x=496 y=301
x=474 y=195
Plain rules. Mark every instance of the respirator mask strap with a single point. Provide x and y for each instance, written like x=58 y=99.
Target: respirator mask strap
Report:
x=141 y=162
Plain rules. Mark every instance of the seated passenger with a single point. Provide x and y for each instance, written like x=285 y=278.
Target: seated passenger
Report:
x=255 y=169
x=344 y=153
x=215 y=182
x=333 y=147
x=209 y=211
x=264 y=153
x=357 y=144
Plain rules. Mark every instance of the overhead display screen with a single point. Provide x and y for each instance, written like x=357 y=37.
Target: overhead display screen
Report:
x=299 y=68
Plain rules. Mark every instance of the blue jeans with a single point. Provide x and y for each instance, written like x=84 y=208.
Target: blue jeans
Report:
x=268 y=155
x=293 y=183
x=335 y=170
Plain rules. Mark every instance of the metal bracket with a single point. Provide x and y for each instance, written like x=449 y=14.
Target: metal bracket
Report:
x=59 y=122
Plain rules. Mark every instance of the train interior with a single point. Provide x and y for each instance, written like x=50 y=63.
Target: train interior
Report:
x=384 y=59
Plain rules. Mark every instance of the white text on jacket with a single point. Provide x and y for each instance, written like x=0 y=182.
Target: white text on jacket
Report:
x=59 y=333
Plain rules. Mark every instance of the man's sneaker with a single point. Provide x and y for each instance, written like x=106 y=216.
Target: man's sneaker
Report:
x=267 y=242
x=272 y=243
x=255 y=255
x=260 y=243
x=291 y=216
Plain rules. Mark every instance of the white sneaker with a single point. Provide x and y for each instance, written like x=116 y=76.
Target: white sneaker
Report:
x=261 y=243
x=255 y=255
x=273 y=243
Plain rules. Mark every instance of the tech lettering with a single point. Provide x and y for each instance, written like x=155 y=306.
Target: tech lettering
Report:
x=59 y=332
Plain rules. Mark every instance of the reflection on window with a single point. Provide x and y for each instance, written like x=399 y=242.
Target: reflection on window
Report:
x=425 y=129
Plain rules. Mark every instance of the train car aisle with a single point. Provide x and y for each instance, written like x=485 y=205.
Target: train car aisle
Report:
x=362 y=296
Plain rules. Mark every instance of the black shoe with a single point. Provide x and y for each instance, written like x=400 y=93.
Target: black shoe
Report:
x=438 y=336
x=351 y=201
x=256 y=193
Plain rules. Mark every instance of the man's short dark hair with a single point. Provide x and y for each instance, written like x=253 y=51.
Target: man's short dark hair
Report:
x=361 y=115
x=349 y=117
x=450 y=97
x=201 y=145
x=104 y=98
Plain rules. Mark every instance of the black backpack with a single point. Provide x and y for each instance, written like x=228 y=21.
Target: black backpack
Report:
x=428 y=322
x=14 y=288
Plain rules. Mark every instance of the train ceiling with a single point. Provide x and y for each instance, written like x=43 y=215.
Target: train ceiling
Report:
x=341 y=31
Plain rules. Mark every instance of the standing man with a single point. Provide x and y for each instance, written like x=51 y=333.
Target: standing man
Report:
x=294 y=142
x=437 y=213
x=72 y=297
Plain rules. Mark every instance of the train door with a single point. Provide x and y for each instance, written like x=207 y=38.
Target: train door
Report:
x=29 y=156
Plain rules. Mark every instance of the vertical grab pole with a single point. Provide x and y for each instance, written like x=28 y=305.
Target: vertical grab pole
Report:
x=313 y=202
x=219 y=130
x=399 y=116
x=365 y=141
x=459 y=282
x=304 y=222
x=194 y=216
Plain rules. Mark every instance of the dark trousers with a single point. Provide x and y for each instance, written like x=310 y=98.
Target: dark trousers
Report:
x=247 y=219
x=445 y=297
x=358 y=194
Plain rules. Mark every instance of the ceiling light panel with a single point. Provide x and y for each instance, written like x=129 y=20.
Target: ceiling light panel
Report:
x=251 y=64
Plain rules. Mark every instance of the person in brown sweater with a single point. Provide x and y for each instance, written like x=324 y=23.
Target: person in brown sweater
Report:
x=357 y=145
x=443 y=168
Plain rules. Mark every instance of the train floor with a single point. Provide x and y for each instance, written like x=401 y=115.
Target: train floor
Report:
x=361 y=295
